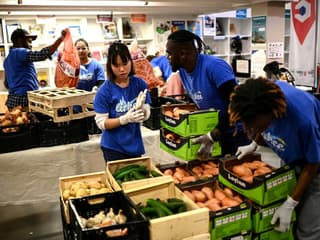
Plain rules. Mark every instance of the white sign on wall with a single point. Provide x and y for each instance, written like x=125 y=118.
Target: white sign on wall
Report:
x=275 y=50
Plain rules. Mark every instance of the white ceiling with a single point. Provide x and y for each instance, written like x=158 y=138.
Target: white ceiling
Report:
x=152 y=7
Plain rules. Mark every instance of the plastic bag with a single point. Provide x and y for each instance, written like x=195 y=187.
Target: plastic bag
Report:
x=68 y=65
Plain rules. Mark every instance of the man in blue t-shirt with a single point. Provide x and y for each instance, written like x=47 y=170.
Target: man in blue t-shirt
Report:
x=208 y=81
x=20 y=72
x=287 y=120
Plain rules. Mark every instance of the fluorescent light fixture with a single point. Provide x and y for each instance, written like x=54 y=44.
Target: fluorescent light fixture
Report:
x=84 y=3
x=56 y=13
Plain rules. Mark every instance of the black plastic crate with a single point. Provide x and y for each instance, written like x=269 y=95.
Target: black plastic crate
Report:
x=25 y=138
x=137 y=224
x=155 y=111
x=53 y=134
x=92 y=126
x=66 y=228
x=15 y=137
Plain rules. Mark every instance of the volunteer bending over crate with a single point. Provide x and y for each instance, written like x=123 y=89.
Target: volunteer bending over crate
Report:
x=287 y=120
x=121 y=104
x=20 y=73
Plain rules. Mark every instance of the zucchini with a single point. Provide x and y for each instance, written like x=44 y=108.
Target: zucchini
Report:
x=159 y=204
x=119 y=173
x=136 y=175
x=155 y=173
x=175 y=206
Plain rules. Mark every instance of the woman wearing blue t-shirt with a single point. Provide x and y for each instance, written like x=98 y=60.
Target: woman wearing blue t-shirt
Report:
x=121 y=104
x=208 y=80
x=91 y=71
x=288 y=121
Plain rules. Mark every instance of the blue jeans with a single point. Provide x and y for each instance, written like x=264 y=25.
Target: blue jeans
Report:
x=111 y=155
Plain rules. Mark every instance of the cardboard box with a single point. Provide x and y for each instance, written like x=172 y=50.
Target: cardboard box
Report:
x=153 y=122
x=193 y=222
x=183 y=148
x=264 y=189
x=275 y=235
x=196 y=122
x=261 y=217
x=66 y=183
x=228 y=221
x=113 y=166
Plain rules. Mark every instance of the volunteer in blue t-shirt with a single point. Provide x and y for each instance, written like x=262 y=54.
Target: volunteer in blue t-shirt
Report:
x=164 y=66
x=208 y=81
x=288 y=121
x=91 y=72
x=121 y=104
x=20 y=72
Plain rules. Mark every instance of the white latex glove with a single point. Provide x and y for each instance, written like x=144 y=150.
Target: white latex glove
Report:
x=247 y=149
x=94 y=89
x=132 y=116
x=141 y=99
x=206 y=146
x=283 y=215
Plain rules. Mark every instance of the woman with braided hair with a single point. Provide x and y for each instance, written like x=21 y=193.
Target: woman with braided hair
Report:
x=287 y=120
x=209 y=81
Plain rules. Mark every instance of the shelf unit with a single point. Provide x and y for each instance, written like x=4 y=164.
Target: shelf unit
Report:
x=232 y=27
x=287 y=25
x=84 y=27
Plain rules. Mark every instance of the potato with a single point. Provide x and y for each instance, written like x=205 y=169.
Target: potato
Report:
x=66 y=194
x=241 y=170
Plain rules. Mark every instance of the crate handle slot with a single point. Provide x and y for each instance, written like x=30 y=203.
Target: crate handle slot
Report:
x=96 y=200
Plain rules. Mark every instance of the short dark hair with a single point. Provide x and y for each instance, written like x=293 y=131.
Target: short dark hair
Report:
x=121 y=50
x=184 y=36
x=255 y=97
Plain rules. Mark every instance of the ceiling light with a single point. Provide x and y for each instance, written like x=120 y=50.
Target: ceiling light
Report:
x=84 y=3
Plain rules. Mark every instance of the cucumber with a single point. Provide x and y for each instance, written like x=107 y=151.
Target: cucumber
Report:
x=121 y=171
x=155 y=173
x=159 y=204
x=175 y=206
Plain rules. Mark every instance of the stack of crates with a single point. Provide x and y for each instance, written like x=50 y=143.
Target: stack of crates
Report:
x=63 y=114
x=178 y=130
x=267 y=192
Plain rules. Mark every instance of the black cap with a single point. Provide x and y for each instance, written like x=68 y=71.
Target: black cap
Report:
x=21 y=33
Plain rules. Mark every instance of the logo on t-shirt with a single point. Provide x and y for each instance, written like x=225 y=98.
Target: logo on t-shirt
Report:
x=277 y=143
x=123 y=105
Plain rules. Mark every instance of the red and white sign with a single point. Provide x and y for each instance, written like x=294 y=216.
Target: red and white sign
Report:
x=302 y=42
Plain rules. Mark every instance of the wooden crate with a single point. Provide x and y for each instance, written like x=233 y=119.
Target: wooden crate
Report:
x=194 y=221
x=66 y=182
x=51 y=101
x=112 y=166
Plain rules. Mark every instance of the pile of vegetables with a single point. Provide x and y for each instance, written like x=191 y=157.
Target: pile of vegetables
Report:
x=105 y=219
x=179 y=175
x=214 y=199
x=84 y=188
x=175 y=112
x=247 y=170
x=133 y=172
x=206 y=169
x=156 y=208
x=14 y=117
